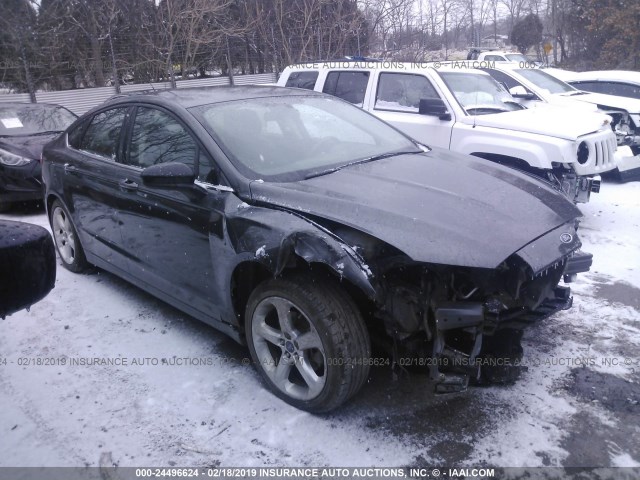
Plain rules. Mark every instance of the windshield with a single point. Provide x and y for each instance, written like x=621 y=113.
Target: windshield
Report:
x=30 y=119
x=293 y=137
x=545 y=81
x=516 y=57
x=479 y=94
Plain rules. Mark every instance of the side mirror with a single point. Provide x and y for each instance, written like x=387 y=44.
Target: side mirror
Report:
x=435 y=107
x=173 y=174
x=520 y=92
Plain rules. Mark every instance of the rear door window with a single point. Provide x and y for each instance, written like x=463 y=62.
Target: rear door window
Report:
x=350 y=86
x=302 y=80
x=102 y=136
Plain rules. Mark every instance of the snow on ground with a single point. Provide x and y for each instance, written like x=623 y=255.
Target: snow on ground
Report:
x=177 y=392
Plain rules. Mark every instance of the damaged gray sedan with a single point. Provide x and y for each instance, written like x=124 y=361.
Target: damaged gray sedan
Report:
x=308 y=229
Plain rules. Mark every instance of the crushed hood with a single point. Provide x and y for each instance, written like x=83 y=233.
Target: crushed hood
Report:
x=555 y=122
x=438 y=207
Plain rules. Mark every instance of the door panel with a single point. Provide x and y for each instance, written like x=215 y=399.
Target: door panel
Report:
x=397 y=100
x=91 y=191
x=167 y=233
x=167 y=230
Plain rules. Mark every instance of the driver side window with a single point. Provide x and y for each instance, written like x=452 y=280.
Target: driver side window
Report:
x=403 y=92
x=157 y=138
x=102 y=136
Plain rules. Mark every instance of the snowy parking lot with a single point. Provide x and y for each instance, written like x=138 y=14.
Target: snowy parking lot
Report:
x=100 y=369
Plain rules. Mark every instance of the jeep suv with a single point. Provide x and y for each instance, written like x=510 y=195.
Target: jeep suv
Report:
x=532 y=86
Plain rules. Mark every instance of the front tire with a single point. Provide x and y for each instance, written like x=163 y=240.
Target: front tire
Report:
x=66 y=239
x=308 y=340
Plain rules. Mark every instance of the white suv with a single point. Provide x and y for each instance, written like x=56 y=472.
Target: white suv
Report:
x=466 y=111
x=530 y=86
x=490 y=55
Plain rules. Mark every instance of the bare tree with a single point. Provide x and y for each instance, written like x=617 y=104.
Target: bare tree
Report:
x=515 y=9
x=18 y=50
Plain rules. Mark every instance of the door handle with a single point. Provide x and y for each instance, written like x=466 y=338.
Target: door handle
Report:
x=68 y=168
x=127 y=184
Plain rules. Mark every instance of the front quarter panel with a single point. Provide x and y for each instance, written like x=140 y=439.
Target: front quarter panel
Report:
x=537 y=151
x=278 y=238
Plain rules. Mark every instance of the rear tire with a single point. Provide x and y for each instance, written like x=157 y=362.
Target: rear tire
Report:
x=308 y=340
x=5 y=207
x=66 y=239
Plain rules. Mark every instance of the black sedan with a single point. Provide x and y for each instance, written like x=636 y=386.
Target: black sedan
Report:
x=307 y=228
x=24 y=129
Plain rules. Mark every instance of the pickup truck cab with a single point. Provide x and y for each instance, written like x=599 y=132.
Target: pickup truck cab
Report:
x=466 y=111
x=534 y=85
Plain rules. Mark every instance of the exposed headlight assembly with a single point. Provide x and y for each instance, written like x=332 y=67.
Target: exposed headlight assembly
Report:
x=12 y=160
x=583 y=153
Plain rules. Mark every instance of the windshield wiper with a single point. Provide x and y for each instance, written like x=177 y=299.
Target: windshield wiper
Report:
x=519 y=106
x=489 y=108
x=48 y=132
x=358 y=162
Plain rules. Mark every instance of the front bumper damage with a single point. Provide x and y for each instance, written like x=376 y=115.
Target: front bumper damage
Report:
x=628 y=164
x=578 y=188
x=497 y=361
x=470 y=329
x=452 y=369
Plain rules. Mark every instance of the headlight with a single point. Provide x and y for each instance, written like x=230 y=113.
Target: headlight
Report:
x=583 y=153
x=13 y=160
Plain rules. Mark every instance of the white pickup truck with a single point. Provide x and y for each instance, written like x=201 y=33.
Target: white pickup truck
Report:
x=468 y=112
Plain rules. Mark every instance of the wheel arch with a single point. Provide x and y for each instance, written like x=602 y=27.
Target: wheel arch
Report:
x=249 y=274
x=508 y=161
x=269 y=243
x=52 y=197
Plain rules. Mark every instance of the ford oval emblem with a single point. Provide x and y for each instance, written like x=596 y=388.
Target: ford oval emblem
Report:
x=566 y=238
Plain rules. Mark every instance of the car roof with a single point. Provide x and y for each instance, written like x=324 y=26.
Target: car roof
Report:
x=28 y=104
x=197 y=96
x=508 y=66
x=499 y=52
x=386 y=65
x=611 y=75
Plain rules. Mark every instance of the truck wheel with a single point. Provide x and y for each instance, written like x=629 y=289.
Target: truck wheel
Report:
x=308 y=340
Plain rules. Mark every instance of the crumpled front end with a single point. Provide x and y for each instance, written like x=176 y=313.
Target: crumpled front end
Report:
x=465 y=324
x=628 y=164
x=627 y=129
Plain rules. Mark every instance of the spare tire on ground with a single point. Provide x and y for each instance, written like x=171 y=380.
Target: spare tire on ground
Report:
x=27 y=265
